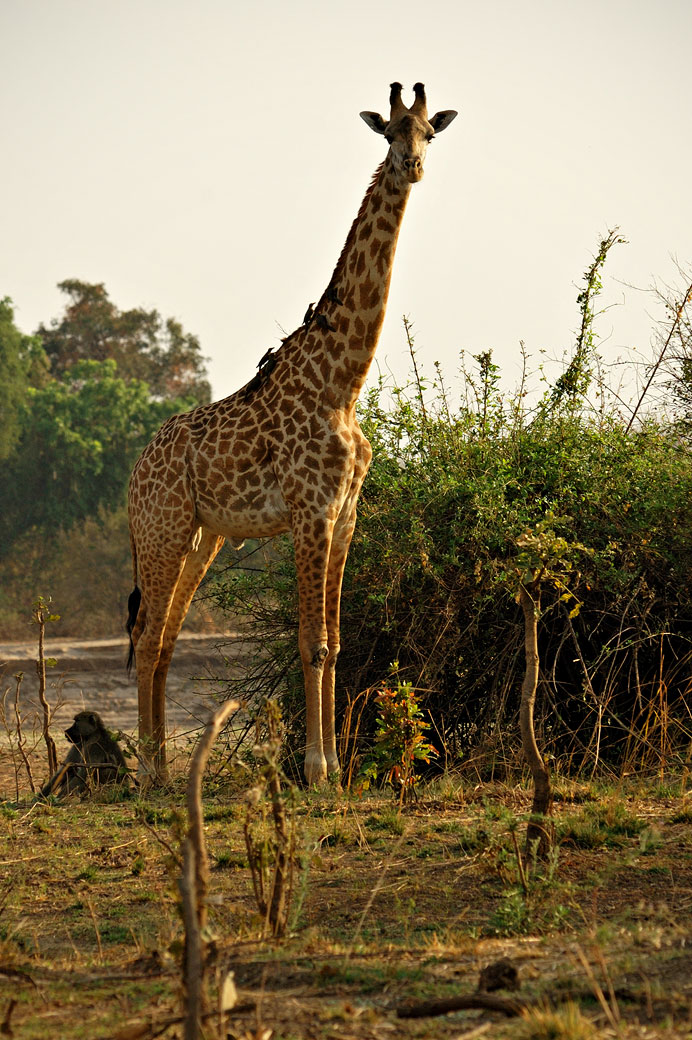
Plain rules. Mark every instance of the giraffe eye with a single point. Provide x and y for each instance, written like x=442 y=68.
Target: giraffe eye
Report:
x=430 y=137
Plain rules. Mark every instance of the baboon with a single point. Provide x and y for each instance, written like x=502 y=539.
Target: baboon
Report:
x=95 y=758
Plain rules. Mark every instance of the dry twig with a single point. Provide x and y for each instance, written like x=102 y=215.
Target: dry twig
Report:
x=195 y=878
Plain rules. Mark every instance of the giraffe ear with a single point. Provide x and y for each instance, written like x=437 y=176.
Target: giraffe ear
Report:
x=441 y=120
x=374 y=121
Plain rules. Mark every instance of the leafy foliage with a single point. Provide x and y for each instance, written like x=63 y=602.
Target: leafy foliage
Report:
x=143 y=345
x=399 y=739
x=574 y=383
x=77 y=413
x=445 y=524
x=78 y=439
x=463 y=502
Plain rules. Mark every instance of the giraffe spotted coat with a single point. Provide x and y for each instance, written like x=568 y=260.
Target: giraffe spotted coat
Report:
x=284 y=453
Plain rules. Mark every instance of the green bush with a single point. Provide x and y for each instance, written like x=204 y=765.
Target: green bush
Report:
x=457 y=500
x=431 y=576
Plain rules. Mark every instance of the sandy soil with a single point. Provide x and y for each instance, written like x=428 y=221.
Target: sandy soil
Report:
x=91 y=674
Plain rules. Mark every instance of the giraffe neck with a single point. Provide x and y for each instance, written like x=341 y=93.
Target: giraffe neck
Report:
x=343 y=334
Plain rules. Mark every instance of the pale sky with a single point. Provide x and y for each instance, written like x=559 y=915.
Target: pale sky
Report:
x=206 y=159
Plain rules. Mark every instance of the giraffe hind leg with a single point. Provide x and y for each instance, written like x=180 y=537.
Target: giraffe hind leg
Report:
x=157 y=591
x=196 y=566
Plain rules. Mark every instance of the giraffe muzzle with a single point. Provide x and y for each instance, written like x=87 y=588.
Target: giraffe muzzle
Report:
x=413 y=168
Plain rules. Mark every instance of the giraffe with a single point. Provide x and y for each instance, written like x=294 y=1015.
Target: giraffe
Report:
x=284 y=453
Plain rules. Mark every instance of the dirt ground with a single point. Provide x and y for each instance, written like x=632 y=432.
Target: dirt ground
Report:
x=389 y=908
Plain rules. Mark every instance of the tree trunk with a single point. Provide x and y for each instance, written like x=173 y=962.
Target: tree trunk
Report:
x=538 y=828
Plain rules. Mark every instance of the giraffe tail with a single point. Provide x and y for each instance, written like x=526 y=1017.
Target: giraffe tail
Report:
x=133 y=604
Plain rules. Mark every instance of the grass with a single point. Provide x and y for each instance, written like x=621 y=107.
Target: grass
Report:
x=394 y=907
x=605 y=824
x=566 y=1024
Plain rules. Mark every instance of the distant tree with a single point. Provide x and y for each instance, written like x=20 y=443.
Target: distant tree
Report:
x=22 y=362
x=79 y=401
x=141 y=343
x=78 y=438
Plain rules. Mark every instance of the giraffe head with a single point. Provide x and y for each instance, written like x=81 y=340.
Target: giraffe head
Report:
x=409 y=130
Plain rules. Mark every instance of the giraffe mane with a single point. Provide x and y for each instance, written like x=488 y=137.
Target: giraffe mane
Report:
x=350 y=238
x=260 y=378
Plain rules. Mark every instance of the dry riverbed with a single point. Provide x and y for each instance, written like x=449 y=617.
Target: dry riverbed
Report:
x=91 y=675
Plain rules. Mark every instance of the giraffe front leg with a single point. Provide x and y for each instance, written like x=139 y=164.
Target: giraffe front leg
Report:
x=341 y=542
x=312 y=541
x=315 y=768
x=328 y=714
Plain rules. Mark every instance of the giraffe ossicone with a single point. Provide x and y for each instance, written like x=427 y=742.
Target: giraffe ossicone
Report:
x=284 y=453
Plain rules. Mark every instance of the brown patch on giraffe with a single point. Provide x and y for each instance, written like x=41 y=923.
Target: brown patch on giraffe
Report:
x=376 y=248
x=357 y=264
x=376 y=202
x=332 y=349
x=325 y=369
x=309 y=374
x=369 y=295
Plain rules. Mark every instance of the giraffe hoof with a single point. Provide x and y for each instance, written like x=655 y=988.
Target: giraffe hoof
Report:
x=315 y=769
x=333 y=771
x=150 y=777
